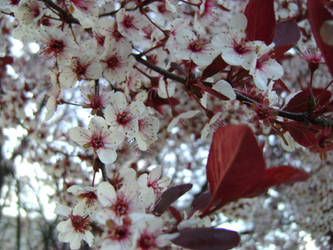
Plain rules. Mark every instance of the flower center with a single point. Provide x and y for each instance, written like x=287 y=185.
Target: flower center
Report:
x=56 y=46
x=79 y=223
x=97 y=142
x=112 y=62
x=79 y=69
x=118 y=233
x=196 y=46
x=240 y=48
x=121 y=207
x=123 y=118
x=90 y=196
x=128 y=22
x=96 y=102
x=146 y=241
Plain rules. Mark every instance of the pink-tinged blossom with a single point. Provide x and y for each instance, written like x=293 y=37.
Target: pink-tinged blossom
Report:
x=29 y=12
x=124 y=116
x=312 y=56
x=122 y=202
x=120 y=233
x=151 y=235
x=109 y=29
x=195 y=47
x=235 y=49
x=152 y=185
x=266 y=68
x=87 y=200
x=86 y=11
x=81 y=67
x=121 y=176
x=148 y=128
x=75 y=229
x=100 y=138
x=57 y=44
x=130 y=24
x=9 y=5
x=95 y=101
x=116 y=60
x=165 y=11
x=208 y=17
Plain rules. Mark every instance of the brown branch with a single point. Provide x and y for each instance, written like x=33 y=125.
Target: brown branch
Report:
x=67 y=17
x=299 y=117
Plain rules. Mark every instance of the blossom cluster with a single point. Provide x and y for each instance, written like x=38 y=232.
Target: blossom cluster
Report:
x=153 y=74
x=124 y=209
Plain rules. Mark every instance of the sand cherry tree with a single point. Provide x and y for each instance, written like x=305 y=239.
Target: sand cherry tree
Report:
x=159 y=124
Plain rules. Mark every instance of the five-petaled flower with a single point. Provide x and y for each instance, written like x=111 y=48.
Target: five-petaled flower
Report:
x=100 y=138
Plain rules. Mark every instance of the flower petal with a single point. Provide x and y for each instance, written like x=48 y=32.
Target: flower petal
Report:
x=106 y=194
x=107 y=155
x=79 y=135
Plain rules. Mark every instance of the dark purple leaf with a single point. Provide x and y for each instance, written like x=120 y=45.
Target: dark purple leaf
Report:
x=260 y=20
x=169 y=196
x=286 y=36
x=207 y=238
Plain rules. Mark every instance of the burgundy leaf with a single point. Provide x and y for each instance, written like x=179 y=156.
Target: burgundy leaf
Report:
x=236 y=167
x=207 y=238
x=286 y=36
x=277 y=176
x=303 y=135
x=169 y=196
x=284 y=175
x=200 y=201
x=302 y=102
x=235 y=164
x=260 y=20
x=319 y=16
x=216 y=66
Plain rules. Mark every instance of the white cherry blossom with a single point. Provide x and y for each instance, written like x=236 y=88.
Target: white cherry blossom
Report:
x=124 y=116
x=155 y=180
x=87 y=200
x=148 y=128
x=150 y=234
x=86 y=11
x=57 y=44
x=235 y=50
x=195 y=47
x=130 y=24
x=103 y=140
x=81 y=67
x=120 y=202
x=265 y=68
x=116 y=60
x=75 y=229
